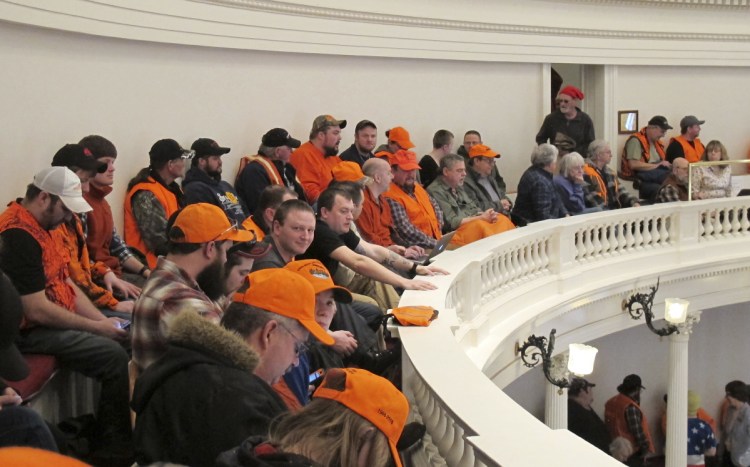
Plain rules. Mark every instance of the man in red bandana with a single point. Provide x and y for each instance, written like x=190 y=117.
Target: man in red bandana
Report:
x=568 y=128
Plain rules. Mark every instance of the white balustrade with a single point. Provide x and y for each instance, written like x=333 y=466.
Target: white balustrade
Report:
x=570 y=274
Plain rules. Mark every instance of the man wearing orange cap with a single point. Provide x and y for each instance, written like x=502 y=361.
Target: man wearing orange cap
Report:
x=417 y=217
x=442 y=145
x=460 y=211
x=487 y=191
x=188 y=279
x=568 y=128
x=398 y=138
x=315 y=159
x=212 y=388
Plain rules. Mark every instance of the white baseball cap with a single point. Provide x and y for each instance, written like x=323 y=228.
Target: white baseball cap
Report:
x=63 y=182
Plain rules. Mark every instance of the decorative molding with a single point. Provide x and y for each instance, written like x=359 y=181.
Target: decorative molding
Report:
x=723 y=4
x=272 y=6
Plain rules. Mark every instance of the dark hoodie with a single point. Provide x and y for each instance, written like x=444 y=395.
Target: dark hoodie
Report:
x=255 y=452
x=199 y=187
x=201 y=397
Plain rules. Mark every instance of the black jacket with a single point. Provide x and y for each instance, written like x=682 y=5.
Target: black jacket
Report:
x=254 y=179
x=199 y=187
x=254 y=452
x=201 y=397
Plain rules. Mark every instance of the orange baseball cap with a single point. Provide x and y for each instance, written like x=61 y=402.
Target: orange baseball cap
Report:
x=405 y=160
x=33 y=457
x=370 y=396
x=202 y=223
x=349 y=171
x=319 y=277
x=287 y=294
x=480 y=150
x=400 y=136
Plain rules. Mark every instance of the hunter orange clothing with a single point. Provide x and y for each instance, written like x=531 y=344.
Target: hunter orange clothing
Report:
x=313 y=169
x=375 y=222
x=625 y=169
x=132 y=233
x=419 y=209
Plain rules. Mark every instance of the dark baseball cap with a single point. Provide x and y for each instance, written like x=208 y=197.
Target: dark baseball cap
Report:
x=75 y=155
x=166 y=150
x=660 y=121
x=630 y=383
x=205 y=147
x=12 y=365
x=322 y=122
x=580 y=384
x=279 y=137
x=690 y=120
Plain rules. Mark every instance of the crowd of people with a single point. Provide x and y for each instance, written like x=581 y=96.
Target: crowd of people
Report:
x=232 y=303
x=625 y=434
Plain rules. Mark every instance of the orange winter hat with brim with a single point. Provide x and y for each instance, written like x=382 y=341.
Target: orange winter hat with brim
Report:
x=480 y=150
x=287 y=294
x=400 y=136
x=405 y=160
x=372 y=397
x=33 y=457
x=202 y=223
x=318 y=276
x=349 y=171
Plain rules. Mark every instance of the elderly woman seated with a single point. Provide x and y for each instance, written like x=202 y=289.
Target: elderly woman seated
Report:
x=571 y=186
x=602 y=181
x=537 y=197
x=714 y=181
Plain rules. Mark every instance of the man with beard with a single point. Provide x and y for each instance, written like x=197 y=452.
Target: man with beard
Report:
x=212 y=389
x=365 y=140
x=568 y=128
x=624 y=418
x=315 y=159
x=58 y=318
x=203 y=183
x=188 y=279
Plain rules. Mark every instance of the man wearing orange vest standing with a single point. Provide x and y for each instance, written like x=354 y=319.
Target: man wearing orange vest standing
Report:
x=270 y=167
x=644 y=158
x=417 y=218
x=153 y=196
x=315 y=159
x=687 y=145
x=624 y=418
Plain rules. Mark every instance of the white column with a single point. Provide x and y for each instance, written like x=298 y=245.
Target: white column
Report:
x=556 y=399
x=676 y=451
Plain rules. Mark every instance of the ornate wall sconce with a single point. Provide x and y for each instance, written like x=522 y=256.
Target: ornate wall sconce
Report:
x=536 y=349
x=640 y=304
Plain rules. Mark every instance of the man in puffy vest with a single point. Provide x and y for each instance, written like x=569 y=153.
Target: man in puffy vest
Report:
x=625 y=419
x=687 y=145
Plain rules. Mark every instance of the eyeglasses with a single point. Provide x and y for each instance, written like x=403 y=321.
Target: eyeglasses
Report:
x=300 y=346
x=234 y=227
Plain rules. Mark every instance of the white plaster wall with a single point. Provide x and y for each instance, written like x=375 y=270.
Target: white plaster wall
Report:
x=58 y=87
x=716 y=356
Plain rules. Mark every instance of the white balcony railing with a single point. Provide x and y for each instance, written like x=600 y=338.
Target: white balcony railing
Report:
x=571 y=274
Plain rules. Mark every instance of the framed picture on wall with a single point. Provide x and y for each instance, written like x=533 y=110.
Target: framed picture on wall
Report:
x=627 y=121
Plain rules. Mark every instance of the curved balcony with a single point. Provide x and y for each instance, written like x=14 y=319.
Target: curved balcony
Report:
x=570 y=274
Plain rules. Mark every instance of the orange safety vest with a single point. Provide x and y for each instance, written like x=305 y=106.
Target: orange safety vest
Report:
x=249 y=224
x=692 y=154
x=271 y=170
x=419 y=209
x=54 y=256
x=375 y=222
x=614 y=418
x=625 y=169
x=602 y=191
x=168 y=201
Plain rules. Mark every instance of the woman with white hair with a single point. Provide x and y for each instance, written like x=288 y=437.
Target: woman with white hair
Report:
x=602 y=181
x=537 y=197
x=571 y=186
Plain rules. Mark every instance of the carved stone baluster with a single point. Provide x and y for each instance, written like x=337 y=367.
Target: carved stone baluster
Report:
x=708 y=225
x=588 y=247
x=467 y=459
x=726 y=223
x=628 y=227
x=716 y=217
x=664 y=232
x=736 y=226
x=440 y=436
x=638 y=227
x=604 y=232
x=456 y=450
x=745 y=222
